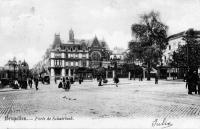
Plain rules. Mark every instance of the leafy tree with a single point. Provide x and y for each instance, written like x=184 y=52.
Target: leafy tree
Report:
x=187 y=56
x=150 y=40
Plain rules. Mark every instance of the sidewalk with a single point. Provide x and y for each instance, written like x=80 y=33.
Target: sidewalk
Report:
x=8 y=88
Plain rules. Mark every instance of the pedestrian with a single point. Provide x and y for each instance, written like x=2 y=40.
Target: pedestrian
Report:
x=80 y=80
x=192 y=80
x=30 y=82
x=71 y=80
x=60 y=85
x=16 y=84
x=141 y=77
x=68 y=84
x=100 y=81
x=36 y=83
x=156 y=78
x=55 y=80
x=116 y=80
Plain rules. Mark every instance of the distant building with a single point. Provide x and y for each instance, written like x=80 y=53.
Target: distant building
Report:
x=67 y=58
x=119 y=55
x=14 y=70
x=174 y=42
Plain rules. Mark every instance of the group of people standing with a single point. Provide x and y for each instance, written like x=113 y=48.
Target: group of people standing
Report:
x=25 y=83
x=192 y=82
x=65 y=83
x=102 y=80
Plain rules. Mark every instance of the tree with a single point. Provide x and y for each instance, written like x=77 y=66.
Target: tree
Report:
x=150 y=40
x=187 y=56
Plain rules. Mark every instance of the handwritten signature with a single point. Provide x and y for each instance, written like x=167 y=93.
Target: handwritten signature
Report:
x=161 y=123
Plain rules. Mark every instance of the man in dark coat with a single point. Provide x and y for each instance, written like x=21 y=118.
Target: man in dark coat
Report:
x=100 y=81
x=116 y=80
x=192 y=80
x=55 y=80
x=80 y=80
x=30 y=82
x=156 y=78
x=36 y=83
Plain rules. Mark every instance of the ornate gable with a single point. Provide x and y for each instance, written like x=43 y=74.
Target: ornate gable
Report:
x=95 y=43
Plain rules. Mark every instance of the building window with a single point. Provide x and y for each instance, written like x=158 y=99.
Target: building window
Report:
x=80 y=55
x=71 y=63
x=57 y=55
x=84 y=63
x=57 y=62
x=76 y=55
x=84 y=55
x=71 y=55
x=76 y=63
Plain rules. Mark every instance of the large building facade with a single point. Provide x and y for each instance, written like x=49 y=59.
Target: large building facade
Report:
x=174 y=42
x=67 y=58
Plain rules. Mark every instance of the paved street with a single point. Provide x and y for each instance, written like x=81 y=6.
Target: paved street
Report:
x=132 y=99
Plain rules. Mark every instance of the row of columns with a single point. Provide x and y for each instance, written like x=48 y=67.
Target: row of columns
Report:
x=63 y=72
x=69 y=72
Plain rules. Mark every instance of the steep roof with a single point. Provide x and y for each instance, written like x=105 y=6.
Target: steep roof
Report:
x=57 y=42
x=181 y=34
x=174 y=36
x=88 y=43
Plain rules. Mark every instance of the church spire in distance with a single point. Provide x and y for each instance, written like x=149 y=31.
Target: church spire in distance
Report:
x=71 y=35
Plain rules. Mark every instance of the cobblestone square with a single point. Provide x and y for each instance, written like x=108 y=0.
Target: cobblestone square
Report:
x=132 y=99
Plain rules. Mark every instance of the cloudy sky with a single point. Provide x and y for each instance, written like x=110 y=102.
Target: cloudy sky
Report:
x=27 y=27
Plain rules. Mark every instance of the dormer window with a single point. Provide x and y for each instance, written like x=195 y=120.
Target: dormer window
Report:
x=169 y=47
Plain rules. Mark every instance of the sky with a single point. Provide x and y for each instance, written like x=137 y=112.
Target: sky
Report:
x=27 y=27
